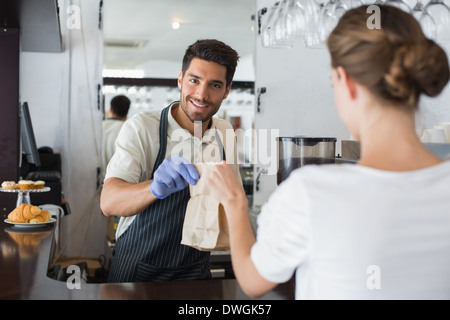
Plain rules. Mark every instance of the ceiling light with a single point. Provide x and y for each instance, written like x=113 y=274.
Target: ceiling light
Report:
x=176 y=25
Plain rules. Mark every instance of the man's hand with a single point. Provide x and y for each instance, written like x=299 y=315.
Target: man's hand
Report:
x=173 y=175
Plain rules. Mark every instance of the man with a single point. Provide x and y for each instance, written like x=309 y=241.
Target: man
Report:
x=147 y=179
x=117 y=115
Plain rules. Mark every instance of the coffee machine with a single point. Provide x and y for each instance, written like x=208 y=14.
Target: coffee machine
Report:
x=294 y=152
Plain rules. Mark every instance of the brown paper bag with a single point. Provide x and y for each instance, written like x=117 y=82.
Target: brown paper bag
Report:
x=205 y=225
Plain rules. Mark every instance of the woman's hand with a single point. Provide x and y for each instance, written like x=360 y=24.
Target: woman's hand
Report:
x=230 y=192
x=226 y=187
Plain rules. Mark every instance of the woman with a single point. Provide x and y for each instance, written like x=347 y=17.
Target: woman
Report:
x=376 y=230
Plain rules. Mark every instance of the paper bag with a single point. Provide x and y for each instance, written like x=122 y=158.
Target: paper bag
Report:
x=205 y=225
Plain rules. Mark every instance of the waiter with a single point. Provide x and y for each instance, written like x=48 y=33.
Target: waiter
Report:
x=147 y=179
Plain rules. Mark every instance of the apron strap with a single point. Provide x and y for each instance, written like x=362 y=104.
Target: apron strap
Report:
x=162 y=138
x=220 y=144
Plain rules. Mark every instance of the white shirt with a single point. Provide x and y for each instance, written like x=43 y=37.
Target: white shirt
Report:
x=353 y=232
x=138 y=143
x=110 y=130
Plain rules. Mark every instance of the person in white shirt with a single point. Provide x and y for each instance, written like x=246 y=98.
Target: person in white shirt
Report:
x=379 y=229
x=147 y=180
x=117 y=114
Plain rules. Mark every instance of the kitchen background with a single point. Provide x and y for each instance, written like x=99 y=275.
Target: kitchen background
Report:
x=137 y=38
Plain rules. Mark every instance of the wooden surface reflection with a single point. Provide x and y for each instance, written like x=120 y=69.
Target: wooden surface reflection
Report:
x=24 y=259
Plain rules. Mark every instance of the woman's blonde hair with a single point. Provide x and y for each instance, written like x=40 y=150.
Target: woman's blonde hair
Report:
x=396 y=62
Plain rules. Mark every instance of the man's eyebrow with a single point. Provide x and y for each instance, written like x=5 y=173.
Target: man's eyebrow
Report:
x=198 y=77
x=194 y=76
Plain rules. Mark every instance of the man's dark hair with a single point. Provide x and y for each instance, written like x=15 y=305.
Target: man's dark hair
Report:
x=120 y=105
x=213 y=51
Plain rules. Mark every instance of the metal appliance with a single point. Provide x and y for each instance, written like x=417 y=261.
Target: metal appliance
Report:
x=294 y=152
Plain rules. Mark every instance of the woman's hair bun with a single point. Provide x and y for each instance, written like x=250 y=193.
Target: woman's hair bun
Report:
x=432 y=70
x=396 y=62
x=417 y=67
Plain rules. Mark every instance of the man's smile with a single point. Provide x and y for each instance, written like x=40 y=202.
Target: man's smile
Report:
x=198 y=105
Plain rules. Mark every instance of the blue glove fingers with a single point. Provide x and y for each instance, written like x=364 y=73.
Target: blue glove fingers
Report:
x=188 y=172
x=185 y=169
x=177 y=180
x=173 y=175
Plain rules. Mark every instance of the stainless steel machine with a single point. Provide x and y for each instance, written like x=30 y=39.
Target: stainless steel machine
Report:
x=294 y=152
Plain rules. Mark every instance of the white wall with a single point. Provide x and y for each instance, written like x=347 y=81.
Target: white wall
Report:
x=61 y=89
x=44 y=84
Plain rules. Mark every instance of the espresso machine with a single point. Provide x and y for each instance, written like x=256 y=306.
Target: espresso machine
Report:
x=294 y=152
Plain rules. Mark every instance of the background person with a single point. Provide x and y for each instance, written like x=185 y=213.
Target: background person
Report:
x=111 y=126
x=376 y=230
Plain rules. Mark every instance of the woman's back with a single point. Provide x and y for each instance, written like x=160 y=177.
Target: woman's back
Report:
x=373 y=234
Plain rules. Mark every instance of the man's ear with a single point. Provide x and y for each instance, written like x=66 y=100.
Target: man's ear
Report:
x=348 y=82
x=180 y=79
x=227 y=91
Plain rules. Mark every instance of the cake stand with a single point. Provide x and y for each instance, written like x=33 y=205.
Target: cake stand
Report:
x=23 y=196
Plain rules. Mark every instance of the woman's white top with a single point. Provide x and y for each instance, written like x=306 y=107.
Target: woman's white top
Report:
x=353 y=232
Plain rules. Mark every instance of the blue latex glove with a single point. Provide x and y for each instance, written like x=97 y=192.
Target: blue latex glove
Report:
x=173 y=175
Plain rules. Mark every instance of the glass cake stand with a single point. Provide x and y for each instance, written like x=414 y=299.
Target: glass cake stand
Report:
x=23 y=196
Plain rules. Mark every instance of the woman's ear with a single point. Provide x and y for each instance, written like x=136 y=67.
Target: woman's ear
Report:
x=348 y=82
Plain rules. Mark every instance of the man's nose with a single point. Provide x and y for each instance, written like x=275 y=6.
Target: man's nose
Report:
x=202 y=92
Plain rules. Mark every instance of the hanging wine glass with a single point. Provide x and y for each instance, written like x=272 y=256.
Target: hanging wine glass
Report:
x=312 y=9
x=435 y=21
x=417 y=10
x=401 y=4
x=267 y=26
x=327 y=20
x=295 y=20
x=344 y=5
x=280 y=27
x=268 y=36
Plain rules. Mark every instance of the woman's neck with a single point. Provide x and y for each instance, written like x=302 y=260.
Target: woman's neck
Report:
x=389 y=141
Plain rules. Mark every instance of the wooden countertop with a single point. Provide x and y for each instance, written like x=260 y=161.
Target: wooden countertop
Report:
x=25 y=254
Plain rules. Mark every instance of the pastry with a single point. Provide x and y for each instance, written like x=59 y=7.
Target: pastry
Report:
x=39 y=184
x=24 y=213
x=10 y=185
x=26 y=184
x=44 y=216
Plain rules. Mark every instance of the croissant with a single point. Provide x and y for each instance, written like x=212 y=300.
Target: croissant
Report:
x=44 y=216
x=23 y=213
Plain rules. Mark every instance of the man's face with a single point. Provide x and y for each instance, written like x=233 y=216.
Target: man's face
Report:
x=203 y=88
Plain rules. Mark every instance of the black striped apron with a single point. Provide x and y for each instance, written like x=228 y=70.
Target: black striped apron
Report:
x=150 y=248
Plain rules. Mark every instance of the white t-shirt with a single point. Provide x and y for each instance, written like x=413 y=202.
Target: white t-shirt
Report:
x=110 y=130
x=138 y=143
x=353 y=232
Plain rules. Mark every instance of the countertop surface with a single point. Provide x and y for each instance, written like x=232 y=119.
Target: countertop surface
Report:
x=26 y=252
